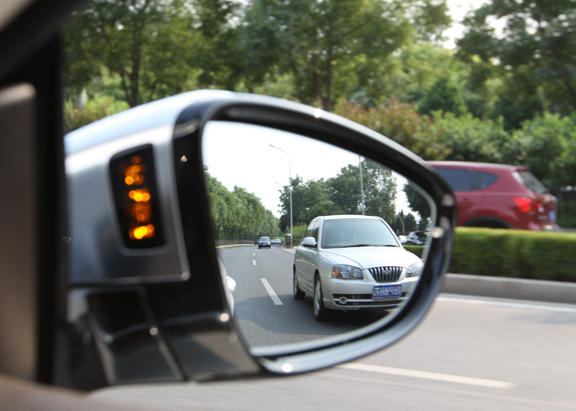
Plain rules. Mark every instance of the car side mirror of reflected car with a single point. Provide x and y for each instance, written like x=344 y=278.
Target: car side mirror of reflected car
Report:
x=309 y=242
x=149 y=298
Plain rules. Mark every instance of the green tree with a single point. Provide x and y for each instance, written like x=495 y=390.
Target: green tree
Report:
x=423 y=224
x=400 y=122
x=444 y=95
x=409 y=222
x=534 y=54
x=549 y=147
x=379 y=190
x=326 y=44
x=148 y=45
x=417 y=202
x=309 y=200
x=238 y=214
x=398 y=225
x=514 y=114
x=93 y=110
x=472 y=139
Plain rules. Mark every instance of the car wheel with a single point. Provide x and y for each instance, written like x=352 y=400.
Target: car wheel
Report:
x=297 y=292
x=259 y=247
x=321 y=313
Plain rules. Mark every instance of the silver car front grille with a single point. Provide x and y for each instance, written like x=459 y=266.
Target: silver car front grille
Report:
x=386 y=274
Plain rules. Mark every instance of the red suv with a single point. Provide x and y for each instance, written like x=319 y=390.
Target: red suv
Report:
x=498 y=196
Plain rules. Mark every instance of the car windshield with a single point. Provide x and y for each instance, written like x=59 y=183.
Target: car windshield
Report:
x=420 y=236
x=530 y=181
x=357 y=233
x=265 y=239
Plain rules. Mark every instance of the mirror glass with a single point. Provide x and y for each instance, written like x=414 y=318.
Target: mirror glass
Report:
x=316 y=240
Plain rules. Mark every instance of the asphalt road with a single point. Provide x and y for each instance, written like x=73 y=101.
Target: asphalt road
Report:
x=469 y=354
x=264 y=309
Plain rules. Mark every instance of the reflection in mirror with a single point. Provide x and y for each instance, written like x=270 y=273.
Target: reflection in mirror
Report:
x=318 y=240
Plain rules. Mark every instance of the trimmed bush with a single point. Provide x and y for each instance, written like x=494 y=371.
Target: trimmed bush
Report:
x=539 y=255
x=415 y=249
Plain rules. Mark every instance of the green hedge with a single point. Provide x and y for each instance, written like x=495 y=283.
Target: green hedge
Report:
x=415 y=249
x=541 y=255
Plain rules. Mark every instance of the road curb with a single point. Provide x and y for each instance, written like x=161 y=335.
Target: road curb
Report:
x=510 y=288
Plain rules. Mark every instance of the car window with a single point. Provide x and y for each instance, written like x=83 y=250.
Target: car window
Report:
x=308 y=232
x=459 y=180
x=350 y=233
x=530 y=181
x=315 y=229
x=486 y=179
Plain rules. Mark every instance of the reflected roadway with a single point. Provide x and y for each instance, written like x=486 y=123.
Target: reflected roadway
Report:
x=265 y=311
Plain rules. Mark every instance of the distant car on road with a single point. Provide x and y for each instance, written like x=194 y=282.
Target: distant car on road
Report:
x=264 y=242
x=350 y=262
x=276 y=241
x=416 y=238
x=498 y=196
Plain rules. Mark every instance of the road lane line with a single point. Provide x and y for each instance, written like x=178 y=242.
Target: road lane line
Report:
x=501 y=302
x=253 y=262
x=271 y=292
x=428 y=375
x=253 y=254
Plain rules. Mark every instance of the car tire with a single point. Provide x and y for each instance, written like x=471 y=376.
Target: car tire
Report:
x=259 y=247
x=321 y=313
x=297 y=292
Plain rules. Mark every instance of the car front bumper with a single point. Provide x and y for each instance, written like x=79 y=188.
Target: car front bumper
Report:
x=357 y=294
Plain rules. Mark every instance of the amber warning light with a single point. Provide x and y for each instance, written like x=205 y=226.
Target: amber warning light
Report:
x=135 y=193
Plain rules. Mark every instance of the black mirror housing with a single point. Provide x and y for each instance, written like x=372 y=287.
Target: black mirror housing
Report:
x=165 y=304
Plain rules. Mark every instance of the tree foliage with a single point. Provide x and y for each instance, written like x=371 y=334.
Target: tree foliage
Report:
x=409 y=222
x=400 y=122
x=444 y=95
x=534 y=52
x=417 y=202
x=93 y=110
x=238 y=214
x=323 y=42
x=341 y=194
x=149 y=45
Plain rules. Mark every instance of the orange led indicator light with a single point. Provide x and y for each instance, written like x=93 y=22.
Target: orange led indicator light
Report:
x=141 y=195
x=138 y=233
x=141 y=208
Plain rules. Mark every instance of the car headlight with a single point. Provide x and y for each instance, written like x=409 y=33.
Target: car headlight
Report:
x=347 y=272
x=415 y=270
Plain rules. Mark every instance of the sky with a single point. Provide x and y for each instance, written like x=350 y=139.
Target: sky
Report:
x=240 y=154
x=458 y=10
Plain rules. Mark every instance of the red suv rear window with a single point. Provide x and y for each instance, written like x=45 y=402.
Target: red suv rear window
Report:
x=467 y=180
x=530 y=181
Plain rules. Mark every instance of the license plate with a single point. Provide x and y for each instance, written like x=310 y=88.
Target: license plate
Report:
x=552 y=215
x=382 y=291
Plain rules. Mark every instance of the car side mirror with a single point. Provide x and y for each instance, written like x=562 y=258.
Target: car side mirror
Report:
x=309 y=242
x=148 y=295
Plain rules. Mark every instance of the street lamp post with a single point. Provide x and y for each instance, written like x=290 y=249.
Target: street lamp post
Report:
x=290 y=189
x=361 y=183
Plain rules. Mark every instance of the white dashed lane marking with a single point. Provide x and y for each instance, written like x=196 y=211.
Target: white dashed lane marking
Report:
x=271 y=292
x=428 y=375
